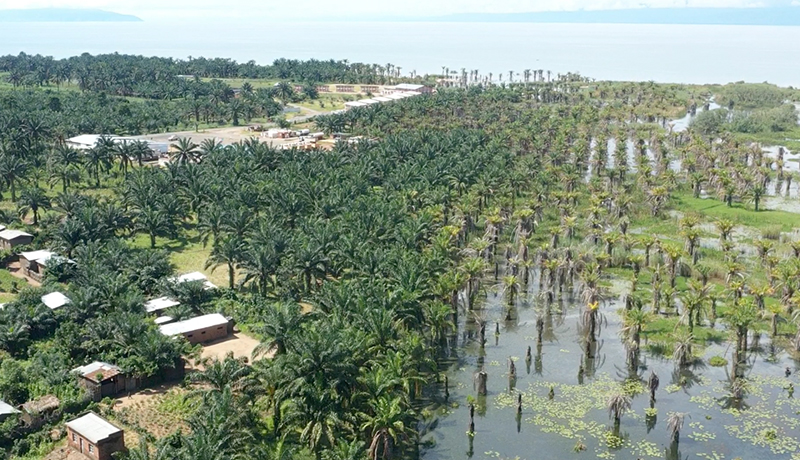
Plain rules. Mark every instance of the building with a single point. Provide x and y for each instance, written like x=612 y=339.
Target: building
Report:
x=33 y=263
x=370 y=89
x=95 y=437
x=9 y=239
x=103 y=380
x=407 y=87
x=161 y=303
x=323 y=89
x=345 y=89
x=34 y=412
x=89 y=141
x=200 y=329
x=354 y=104
x=55 y=300
x=6 y=410
x=195 y=276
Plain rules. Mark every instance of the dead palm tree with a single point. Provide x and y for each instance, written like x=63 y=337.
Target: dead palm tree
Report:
x=617 y=406
x=675 y=425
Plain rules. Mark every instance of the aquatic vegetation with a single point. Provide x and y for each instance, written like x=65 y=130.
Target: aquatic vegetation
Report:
x=717 y=361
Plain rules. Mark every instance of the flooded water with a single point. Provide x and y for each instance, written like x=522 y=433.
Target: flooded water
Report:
x=764 y=427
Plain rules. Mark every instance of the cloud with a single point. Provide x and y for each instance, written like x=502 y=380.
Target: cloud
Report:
x=354 y=8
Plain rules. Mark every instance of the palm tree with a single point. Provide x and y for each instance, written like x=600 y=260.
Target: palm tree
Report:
x=675 y=425
x=285 y=91
x=617 y=406
x=96 y=160
x=229 y=372
x=387 y=424
x=683 y=349
x=281 y=323
x=12 y=170
x=725 y=228
x=186 y=151
x=153 y=221
x=32 y=200
x=227 y=251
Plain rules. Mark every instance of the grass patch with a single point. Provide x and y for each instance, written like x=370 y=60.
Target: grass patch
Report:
x=738 y=213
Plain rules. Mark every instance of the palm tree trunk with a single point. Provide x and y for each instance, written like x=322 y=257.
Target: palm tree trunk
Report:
x=231 y=275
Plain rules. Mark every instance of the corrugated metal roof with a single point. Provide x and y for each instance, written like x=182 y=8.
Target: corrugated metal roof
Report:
x=90 y=371
x=409 y=87
x=9 y=235
x=7 y=409
x=93 y=427
x=164 y=320
x=55 y=300
x=161 y=303
x=41 y=256
x=195 y=276
x=194 y=324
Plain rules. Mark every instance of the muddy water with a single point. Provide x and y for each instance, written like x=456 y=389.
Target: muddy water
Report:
x=765 y=428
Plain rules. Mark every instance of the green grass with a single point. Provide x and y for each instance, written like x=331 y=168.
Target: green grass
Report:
x=187 y=254
x=789 y=139
x=238 y=82
x=330 y=101
x=738 y=213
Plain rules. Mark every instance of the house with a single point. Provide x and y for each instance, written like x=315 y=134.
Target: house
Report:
x=370 y=101
x=55 y=300
x=34 y=412
x=323 y=89
x=372 y=89
x=95 y=437
x=102 y=379
x=10 y=239
x=354 y=104
x=200 y=329
x=6 y=410
x=161 y=303
x=33 y=263
x=407 y=87
x=163 y=320
x=345 y=89
x=195 y=276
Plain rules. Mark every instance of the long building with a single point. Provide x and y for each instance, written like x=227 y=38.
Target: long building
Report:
x=200 y=329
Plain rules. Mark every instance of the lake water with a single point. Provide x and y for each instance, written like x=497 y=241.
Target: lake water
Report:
x=663 y=53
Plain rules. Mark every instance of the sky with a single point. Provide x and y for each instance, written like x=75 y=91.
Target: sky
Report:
x=159 y=9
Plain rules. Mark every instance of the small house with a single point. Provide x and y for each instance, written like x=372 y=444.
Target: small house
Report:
x=345 y=89
x=372 y=89
x=6 y=410
x=103 y=380
x=200 y=329
x=161 y=303
x=195 y=276
x=9 y=239
x=55 y=300
x=33 y=263
x=95 y=437
x=34 y=412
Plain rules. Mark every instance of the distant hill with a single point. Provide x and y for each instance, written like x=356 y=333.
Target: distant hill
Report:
x=64 y=15
x=777 y=16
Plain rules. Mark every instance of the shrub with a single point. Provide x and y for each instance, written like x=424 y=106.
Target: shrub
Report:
x=773 y=232
x=718 y=361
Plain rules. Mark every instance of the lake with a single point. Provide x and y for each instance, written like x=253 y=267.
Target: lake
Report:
x=663 y=53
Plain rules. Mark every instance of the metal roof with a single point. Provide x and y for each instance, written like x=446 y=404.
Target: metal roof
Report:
x=9 y=235
x=161 y=303
x=409 y=86
x=55 y=300
x=41 y=256
x=164 y=320
x=195 y=276
x=93 y=427
x=90 y=371
x=194 y=324
x=7 y=409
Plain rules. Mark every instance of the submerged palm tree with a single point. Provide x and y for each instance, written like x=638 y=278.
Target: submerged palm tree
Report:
x=675 y=425
x=618 y=405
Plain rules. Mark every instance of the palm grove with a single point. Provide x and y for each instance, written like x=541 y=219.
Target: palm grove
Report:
x=353 y=265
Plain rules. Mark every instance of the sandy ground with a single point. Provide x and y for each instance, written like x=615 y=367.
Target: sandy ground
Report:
x=240 y=344
x=64 y=453
x=144 y=395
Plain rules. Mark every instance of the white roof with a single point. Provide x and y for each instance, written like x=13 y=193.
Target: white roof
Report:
x=355 y=104
x=2 y=227
x=370 y=101
x=382 y=98
x=55 y=300
x=395 y=96
x=164 y=320
x=161 y=303
x=9 y=235
x=7 y=409
x=87 y=141
x=97 y=366
x=194 y=324
x=195 y=276
x=409 y=87
x=41 y=256
x=93 y=427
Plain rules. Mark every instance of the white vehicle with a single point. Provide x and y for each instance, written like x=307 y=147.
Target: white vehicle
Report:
x=173 y=138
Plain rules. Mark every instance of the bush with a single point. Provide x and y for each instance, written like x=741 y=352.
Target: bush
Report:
x=718 y=361
x=773 y=232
